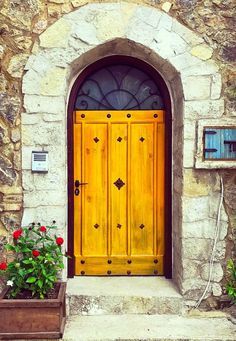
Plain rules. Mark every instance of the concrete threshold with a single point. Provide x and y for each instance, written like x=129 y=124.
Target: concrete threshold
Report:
x=122 y=286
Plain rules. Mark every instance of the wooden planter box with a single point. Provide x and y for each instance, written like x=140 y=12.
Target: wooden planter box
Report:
x=32 y=318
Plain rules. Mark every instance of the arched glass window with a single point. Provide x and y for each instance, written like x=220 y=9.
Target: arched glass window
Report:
x=119 y=87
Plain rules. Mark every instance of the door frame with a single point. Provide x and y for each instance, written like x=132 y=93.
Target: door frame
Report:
x=119 y=59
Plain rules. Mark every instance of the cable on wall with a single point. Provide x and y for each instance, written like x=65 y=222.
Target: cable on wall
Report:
x=216 y=237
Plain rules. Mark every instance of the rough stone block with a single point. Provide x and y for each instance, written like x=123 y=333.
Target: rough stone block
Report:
x=56 y=35
x=189 y=36
x=216 y=289
x=116 y=305
x=184 y=61
x=165 y=22
x=45 y=104
x=62 y=57
x=30 y=118
x=214 y=208
x=168 y=44
x=203 y=109
x=17 y=64
x=191 y=269
x=139 y=32
x=193 y=289
x=204 y=229
x=188 y=153
x=15 y=134
x=52 y=118
x=86 y=32
x=28 y=180
x=193 y=208
x=202 y=51
x=196 y=87
x=203 y=68
x=45 y=198
x=195 y=184
x=146 y=14
x=217 y=272
x=198 y=249
x=51 y=180
x=52 y=83
x=43 y=134
x=220 y=250
x=166 y=6
x=45 y=215
x=189 y=129
x=7 y=174
x=216 y=86
x=39 y=63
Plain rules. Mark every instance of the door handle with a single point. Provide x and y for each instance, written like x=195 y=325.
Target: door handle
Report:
x=77 y=184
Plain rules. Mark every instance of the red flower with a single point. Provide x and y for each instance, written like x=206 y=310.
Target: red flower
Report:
x=3 y=266
x=59 y=241
x=35 y=253
x=17 y=233
x=43 y=229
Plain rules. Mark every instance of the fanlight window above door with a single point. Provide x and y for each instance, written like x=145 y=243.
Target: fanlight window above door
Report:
x=119 y=87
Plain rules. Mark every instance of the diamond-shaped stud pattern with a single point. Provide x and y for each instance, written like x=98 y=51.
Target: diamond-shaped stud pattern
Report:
x=119 y=139
x=119 y=183
x=96 y=139
x=96 y=226
x=141 y=226
x=119 y=226
x=142 y=139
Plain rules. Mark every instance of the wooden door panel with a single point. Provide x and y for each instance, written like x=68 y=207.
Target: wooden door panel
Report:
x=142 y=189
x=118 y=201
x=119 y=230
x=160 y=199
x=121 y=265
x=94 y=206
x=77 y=176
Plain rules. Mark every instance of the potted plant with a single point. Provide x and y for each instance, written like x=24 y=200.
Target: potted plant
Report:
x=32 y=304
x=231 y=287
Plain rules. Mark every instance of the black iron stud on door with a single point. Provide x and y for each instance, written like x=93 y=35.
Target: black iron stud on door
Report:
x=119 y=183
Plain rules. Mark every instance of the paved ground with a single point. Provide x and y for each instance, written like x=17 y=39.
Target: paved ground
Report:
x=152 y=327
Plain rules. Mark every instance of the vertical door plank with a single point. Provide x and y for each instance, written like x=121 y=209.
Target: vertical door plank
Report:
x=94 y=228
x=77 y=199
x=142 y=189
x=118 y=167
x=160 y=188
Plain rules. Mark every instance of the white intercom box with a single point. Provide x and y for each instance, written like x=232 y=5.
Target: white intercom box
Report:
x=39 y=161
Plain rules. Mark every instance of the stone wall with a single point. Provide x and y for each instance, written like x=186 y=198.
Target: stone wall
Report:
x=24 y=21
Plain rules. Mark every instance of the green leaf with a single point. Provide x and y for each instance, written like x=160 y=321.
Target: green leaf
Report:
x=25 y=249
x=10 y=247
x=31 y=280
x=52 y=278
x=28 y=271
x=40 y=283
x=27 y=261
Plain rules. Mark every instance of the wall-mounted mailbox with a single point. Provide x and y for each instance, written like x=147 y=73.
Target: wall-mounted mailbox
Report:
x=219 y=143
x=40 y=161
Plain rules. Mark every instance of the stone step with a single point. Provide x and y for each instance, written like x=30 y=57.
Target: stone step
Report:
x=148 y=327
x=123 y=295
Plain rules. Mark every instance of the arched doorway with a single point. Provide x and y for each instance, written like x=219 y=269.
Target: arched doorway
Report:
x=119 y=152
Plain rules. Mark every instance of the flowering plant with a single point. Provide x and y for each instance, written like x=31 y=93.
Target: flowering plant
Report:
x=35 y=260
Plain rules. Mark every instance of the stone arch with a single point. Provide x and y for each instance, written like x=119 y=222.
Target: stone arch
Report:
x=83 y=36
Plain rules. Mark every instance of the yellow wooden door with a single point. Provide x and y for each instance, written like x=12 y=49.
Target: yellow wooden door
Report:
x=119 y=210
